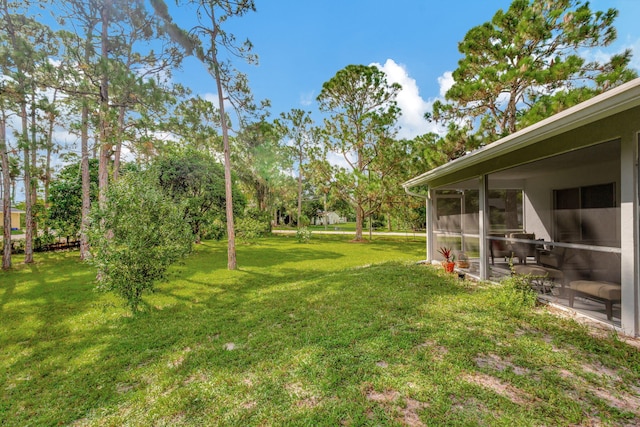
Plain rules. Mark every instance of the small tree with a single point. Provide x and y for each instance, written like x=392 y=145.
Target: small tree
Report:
x=135 y=236
x=208 y=41
x=297 y=125
x=361 y=126
x=65 y=210
x=195 y=180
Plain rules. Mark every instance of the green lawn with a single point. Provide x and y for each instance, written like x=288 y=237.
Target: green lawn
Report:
x=349 y=226
x=346 y=226
x=326 y=333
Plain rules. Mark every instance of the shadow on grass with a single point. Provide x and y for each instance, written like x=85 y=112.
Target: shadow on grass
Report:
x=67 y=352
x=268 y=344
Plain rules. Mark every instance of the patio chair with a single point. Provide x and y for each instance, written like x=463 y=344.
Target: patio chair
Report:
x=552 y=257
x=499 y=248
x=523 y=250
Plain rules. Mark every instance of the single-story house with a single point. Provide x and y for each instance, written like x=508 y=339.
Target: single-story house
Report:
x=558 y=199
x=328 y=217
x=15 y=218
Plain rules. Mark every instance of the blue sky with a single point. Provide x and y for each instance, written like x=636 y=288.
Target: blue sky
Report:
x=303 y=43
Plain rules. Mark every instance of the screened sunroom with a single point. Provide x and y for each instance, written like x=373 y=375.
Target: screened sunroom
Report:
x=557 y=201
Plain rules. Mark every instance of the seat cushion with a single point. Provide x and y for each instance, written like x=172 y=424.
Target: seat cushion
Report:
x=529 y=269
x=605 y=290
x=549 y=259
x=539 y=270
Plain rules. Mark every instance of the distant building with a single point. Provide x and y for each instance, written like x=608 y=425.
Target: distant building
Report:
x=15 y=218
x=332 y=218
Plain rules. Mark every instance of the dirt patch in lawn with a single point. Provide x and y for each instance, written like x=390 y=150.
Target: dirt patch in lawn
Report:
x=391 y=400
x=623 y=400
x=438 y=351
x=306 y=399
x=493 y=361
x=506 y=390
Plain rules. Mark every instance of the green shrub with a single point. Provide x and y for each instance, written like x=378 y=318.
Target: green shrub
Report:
x=42 y=240
x=135 y=236
x=214 y=230
x=18 y=245
x=303 y=235
x=262 y=216
x=515 y=293
x=303 y=221
x=249 y=229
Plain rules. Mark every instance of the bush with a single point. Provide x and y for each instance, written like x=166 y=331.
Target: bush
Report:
x=378 y=223
x=41 y=242
x=515 y=293
x=135 y=237
x=18 y=246
x=195 y=180
x=214 y=230
x=303 y=221
x=303 y=235
x=262 y=216
x=249 y=229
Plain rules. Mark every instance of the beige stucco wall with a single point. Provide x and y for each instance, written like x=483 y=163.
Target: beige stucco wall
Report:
x=15 y=219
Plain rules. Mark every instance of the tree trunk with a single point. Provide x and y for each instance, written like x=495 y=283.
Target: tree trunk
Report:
x=47 y=166
x=28 y=246
x=359 y=221
x=299 y=188
x=105 y=147
x=232 y=263
x=326 y=217
x=49 y=147
x=359 y=208
x=24 y=137
x=231 y=245
x=34 y=161
x=86 y=184
x=85 y=249
x=6 y=196
x=262 y=194
x=117 y=153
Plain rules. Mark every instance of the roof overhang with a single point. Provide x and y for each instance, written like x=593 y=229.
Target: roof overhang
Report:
x=13 y=210
x=612 y=102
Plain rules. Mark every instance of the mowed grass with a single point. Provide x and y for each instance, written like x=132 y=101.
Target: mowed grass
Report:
x=327 y=333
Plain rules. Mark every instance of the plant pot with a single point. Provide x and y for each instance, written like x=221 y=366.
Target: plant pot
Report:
x=462 y=264
x=448 y=266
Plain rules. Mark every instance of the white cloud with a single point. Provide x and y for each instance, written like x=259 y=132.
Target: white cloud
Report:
x=445 y=81
x=337 y=159
x=635 y=49
x=307 y=99
x=604 y=55
x=211 y=97
x=412 y=122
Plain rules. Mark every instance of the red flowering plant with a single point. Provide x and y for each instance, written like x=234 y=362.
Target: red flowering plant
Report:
x=446 y=253
x=448 y=264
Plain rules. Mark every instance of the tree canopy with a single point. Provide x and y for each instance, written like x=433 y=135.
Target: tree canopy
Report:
x=65 y=211
x=105 y=78
x=135 y=235
x=195 y=181
x=527 y=63
x=363 y=114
